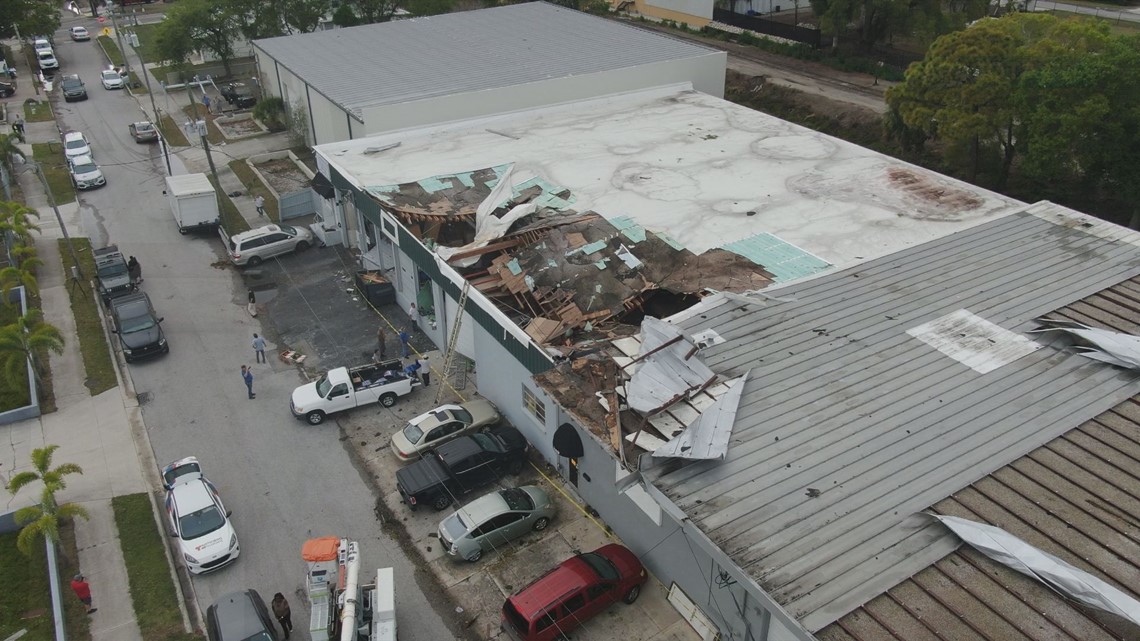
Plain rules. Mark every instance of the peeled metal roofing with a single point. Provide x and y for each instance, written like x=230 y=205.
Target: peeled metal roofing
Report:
x=407 y=60
x=849 y=427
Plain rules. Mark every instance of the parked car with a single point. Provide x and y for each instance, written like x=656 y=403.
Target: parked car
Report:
x=494 y=520
x=143 y=131
x=73 y=88
x=79 y=34
x=138 y=327
x=572 y=593
x=75 y=145
x=253 y=246
x=199 y=520
x=7 y=90
x=85 y=174
x=111 y=79
x=342 y=388
x=46 y=60
x=111 y=274
x=442 y=424
x=461 y=466
x=40 y=43
x=240 y=616
x=176 y=470
x=238 y=94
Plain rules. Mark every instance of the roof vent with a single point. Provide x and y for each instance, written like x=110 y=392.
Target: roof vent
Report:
x=973 y=341
x=707 y=338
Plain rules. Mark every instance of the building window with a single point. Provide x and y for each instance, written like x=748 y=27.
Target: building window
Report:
x=388 y=226
x=534 y=405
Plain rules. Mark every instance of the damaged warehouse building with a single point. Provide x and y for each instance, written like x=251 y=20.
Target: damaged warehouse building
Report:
x=792 y=374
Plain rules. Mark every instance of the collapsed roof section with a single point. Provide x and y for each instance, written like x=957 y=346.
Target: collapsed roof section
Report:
x=561 y=274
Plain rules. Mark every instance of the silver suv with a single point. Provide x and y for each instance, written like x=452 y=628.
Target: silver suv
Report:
x=253 y=246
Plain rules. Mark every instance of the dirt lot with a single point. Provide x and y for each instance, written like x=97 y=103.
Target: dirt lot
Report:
x=283 y=175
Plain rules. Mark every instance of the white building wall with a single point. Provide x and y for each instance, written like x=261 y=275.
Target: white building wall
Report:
x=326 y=121
x=705 y=73
x=699 y=8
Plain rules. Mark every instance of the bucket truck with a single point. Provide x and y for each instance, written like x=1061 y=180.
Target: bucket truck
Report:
x=343 y=609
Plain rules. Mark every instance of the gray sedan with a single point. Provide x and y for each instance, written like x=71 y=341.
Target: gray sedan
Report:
x=492 y=521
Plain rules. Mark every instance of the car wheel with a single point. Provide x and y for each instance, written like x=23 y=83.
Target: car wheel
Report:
x=516 y=468
x=315 y=417
x=632 y=595
x=254 y=262
x=541 y=524
x=441 y=502
x=388 y=399
x=475 y=556
x=182 y=230
x=303 y=245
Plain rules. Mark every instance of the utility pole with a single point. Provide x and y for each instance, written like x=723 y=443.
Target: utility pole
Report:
x=134 y=40
x=200 y=124
x=62 y=227
x=122 y=49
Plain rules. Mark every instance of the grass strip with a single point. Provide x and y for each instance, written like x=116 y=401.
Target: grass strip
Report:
x=17 y=394
x=152 y=588
x=137 y=85
x=232 y=220
x=254 y=186
x=54 y=164
x=111 y=49
x=35 y=111
x=26 y=603
x=171 y=132
x=146 y=33
x=98 y=363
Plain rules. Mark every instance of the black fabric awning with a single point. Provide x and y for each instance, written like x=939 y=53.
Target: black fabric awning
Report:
x=322 y=186
x=567 y=442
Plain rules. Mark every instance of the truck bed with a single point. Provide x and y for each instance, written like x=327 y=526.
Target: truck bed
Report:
x=368 y=376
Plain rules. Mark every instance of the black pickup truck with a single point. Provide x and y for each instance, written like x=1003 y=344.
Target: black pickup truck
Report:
x=111 y=274
x=460 y=466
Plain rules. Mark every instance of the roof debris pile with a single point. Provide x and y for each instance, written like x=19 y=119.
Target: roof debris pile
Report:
x=564 y=275
x=651 y=391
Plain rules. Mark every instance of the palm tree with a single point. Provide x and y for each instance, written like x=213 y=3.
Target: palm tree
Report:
x=8 y=149
x=21 y=341
x=22 y=273
x=42 y=520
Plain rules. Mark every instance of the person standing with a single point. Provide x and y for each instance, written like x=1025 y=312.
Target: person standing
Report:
x=259 y=202
x=381 y=337
x=134 y=270
x=247 y=374
x=404 y=347
x=282 y=612
x=82 y=590
x=258 y=349
x=414 y=317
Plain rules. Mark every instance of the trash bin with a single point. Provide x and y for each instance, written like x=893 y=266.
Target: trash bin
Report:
x=375 y=288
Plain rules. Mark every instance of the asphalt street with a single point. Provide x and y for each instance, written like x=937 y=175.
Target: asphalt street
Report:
x=284 y=482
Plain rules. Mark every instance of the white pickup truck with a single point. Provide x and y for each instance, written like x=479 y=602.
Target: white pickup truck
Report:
x=343 y=388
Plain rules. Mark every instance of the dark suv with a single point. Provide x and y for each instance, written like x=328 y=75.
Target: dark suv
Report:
x=111 y=274
x=465 y=464
x=240 y=616
x=73 y=88
x=138 y=327
x=239 y=95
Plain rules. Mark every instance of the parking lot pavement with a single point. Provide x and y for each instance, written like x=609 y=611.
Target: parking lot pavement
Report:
x=311 y=306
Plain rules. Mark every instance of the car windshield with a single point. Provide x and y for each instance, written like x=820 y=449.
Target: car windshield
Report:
x=517 y=499
x=114 y=269
x=137 y=323
x=242 y=90
x=78 y=143
x=72 y=83
x=289 y=230
x=323 y=386
x=110 y=75
x=462 y=415
x=144 y=127
x=413 y=433
x=44 y=55
x=488 y=444
x=601 y=565
x=201 y=523
x=86 y=168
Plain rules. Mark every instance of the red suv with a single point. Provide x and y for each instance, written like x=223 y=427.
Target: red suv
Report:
x=578 y=589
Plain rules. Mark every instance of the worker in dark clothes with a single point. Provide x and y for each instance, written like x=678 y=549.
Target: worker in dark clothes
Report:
x=283 y=614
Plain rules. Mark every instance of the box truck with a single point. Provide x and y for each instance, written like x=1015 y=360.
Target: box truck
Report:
x=193 y=201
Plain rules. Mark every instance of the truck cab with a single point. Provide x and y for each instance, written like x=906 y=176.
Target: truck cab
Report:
x=111 y=274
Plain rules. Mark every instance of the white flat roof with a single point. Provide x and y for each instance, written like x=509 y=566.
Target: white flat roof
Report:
x=703 y=170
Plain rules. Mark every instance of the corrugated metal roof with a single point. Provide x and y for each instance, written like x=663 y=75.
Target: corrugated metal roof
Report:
x=849 y=427
x=406 y=60
x=1075 y=497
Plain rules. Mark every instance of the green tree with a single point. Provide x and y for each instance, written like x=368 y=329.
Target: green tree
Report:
x=22 y=341
x=270 y=18
x=16 y=226
x=197 y=25
x=42 y=520
x=359 y=12
x=28 y=18
x=10 y=152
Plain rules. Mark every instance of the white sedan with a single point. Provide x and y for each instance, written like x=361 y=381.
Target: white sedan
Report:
x=75 y=145
x=112 y=79
x=198 y=518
